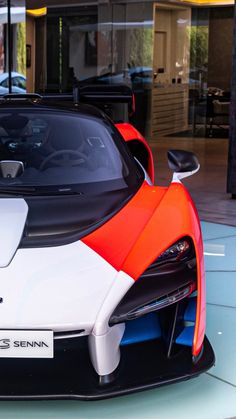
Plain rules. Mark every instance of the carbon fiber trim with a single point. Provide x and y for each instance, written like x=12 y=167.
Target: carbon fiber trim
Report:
x=70 y=374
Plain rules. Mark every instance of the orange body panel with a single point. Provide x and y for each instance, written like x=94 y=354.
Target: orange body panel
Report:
x=151 y=222
x=130 y=133
x=115 y=239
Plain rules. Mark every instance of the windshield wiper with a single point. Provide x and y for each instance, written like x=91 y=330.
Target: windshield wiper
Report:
x=28 y=190
x=17 y=191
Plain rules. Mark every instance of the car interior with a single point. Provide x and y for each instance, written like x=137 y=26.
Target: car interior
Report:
x=53 y=149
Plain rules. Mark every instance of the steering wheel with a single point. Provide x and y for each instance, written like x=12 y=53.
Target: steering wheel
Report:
x=77 y=158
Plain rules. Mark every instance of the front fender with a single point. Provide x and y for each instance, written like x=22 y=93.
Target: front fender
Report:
x=174 y=218
x=150 y=223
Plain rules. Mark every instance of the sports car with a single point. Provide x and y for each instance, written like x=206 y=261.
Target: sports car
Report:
x=102 y=272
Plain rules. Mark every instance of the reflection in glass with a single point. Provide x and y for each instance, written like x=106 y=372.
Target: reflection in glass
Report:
x=3 y=31
x=198 y=75
x=163 y=51
x=2 y=49
x=210 y=71
x=18 y=47
x=132 y=56
x=100 y=43
x=12 y=47
x=171 y=70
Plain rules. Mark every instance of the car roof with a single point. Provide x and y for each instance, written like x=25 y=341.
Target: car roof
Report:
x=4 y=76
x=49 y=105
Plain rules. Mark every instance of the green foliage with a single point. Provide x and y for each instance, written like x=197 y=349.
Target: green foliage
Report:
x=198 y=46
x=141 y=47
x=21 y=48
x=148 y=47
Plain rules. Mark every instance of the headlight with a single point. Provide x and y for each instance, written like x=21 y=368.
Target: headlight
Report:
x=175 y=252
x=181 y=251
x=169 y=279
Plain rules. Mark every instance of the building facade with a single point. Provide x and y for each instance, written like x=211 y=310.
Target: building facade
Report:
x=176 y=56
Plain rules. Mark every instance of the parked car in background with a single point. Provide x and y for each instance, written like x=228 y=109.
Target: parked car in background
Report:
x=18 y=83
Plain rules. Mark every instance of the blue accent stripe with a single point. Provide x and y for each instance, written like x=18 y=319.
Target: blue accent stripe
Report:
x=143 y=329
x=186 y=336
x=190 y=312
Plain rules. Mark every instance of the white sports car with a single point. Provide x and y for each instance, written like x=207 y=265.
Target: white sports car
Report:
x=102 y=278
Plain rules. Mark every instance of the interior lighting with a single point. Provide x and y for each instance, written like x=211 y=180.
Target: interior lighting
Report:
x=37 y=12
x=209 y=2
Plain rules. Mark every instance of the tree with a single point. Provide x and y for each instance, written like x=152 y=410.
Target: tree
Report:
x=21 y=48
x=199 y=50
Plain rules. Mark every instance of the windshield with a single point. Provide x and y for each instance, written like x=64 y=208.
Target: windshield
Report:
x=62 y=151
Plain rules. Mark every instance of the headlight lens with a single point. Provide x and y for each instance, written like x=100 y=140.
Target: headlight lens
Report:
x=176 y=252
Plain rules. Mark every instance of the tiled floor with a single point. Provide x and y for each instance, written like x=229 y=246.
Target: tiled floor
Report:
x=210 y=396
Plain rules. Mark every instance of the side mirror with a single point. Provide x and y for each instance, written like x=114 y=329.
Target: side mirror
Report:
x=183 y=163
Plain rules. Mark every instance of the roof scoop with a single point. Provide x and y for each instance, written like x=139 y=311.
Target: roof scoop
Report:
x=13 y=214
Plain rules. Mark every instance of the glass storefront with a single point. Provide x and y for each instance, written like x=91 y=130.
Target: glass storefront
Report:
x=171 y=63
x=12 y=47
x=176 y=58
x=105 y=44
x=3 y=21
x=211 y=71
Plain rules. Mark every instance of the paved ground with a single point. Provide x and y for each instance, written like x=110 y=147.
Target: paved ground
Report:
x=210 y=396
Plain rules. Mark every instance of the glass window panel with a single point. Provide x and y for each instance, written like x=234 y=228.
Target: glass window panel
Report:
x=3 y=47
x=198 y=75
x=132 y=46
x=171 y=62
x=150 y=49
x=12 y=44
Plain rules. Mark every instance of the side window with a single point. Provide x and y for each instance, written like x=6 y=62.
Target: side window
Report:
x=19 y=82
x=5 y=83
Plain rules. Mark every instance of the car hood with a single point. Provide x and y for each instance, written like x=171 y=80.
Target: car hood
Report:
x=60 y=288
x=60 y=220
x=63 y=287
x=13 y=214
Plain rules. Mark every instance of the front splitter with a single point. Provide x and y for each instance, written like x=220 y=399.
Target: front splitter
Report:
x=70 y=374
